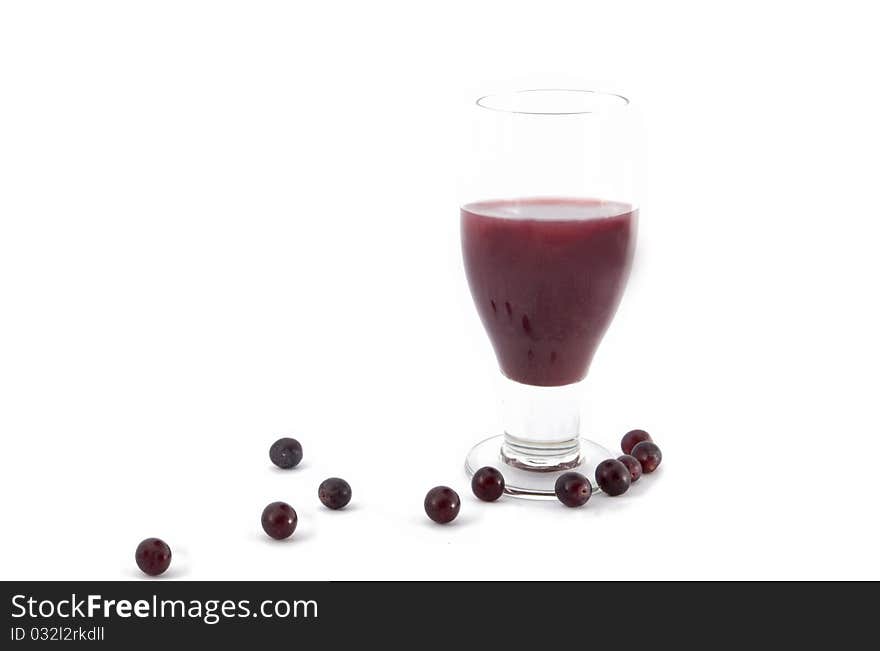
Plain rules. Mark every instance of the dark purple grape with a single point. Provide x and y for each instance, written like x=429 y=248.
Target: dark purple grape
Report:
x=334 y=493
x=613 y=477
x=442 y=504
x=632 y=464
x=488 y=484
x=279 y=520
x=649 y=455
x=286 y=453
x=153 y=556
x=633 y=438
x=573 y=489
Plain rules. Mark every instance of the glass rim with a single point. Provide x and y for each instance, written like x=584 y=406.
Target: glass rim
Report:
x=486 y=101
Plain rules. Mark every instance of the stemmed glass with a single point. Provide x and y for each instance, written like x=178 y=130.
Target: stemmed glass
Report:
x=548 y=229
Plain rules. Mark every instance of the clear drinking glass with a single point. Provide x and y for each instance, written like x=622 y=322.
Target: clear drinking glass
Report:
x=548 y=229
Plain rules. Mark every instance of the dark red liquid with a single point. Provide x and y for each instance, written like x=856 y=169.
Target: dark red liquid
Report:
x=547 y=275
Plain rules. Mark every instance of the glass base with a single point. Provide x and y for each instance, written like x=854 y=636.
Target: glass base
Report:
x=532 y=484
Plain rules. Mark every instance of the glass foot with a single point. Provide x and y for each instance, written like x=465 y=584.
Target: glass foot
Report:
x=531 y=484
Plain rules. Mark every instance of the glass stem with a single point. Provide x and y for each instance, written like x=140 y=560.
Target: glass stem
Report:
x=541 y=425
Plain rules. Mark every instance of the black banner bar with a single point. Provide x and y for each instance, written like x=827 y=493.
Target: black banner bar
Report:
x=238 y=613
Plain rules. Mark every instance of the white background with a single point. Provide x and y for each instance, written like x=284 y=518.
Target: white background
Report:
x=225 y=221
